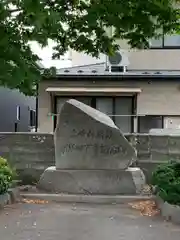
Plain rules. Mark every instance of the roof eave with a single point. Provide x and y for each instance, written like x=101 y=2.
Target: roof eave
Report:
x=152 y=76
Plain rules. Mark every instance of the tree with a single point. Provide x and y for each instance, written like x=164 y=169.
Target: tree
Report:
x=77 y=24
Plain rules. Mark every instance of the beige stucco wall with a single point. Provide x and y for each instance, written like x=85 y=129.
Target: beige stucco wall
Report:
x=172 y=122
x=138 y=59
x=154 y=59
x=156 y=98
x=159 y=98
x=45 y=122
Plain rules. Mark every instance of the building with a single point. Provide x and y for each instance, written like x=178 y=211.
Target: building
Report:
x=17 y=112
x=146 y=96
x=144 y=99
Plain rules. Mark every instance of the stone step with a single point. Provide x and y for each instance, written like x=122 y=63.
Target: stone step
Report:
x=77 y=198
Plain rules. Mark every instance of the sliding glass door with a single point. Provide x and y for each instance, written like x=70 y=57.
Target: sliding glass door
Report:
x=59 y=103
x=123 y=113
x=105 y=105
x=61 y=100
x=120 y=108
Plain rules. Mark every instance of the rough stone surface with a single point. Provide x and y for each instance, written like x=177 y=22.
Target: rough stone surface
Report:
x=175 y=216
x=14 y=194
x=11 y=196
x=159 y=201
x=168 y=211
x=82 y=222
x=88 y=139
x=129 y=181
x=138 y=177
x=4 y=199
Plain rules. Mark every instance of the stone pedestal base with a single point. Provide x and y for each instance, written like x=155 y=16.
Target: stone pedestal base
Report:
x=108 y=182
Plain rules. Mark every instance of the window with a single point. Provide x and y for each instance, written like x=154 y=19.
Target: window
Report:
x=166 y=41
x=32 y=118
x=85 y=100
x=62 y=100
x=120 y=109
x=123 y=113
x=146 y=123
x=105 y=105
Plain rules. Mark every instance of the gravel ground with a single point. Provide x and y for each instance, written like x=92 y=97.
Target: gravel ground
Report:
x=53 y=221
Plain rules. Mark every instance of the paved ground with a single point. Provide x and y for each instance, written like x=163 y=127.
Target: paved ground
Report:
x=81 y=222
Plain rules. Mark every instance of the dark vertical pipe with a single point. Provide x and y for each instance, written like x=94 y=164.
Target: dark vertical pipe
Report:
x=37 y=89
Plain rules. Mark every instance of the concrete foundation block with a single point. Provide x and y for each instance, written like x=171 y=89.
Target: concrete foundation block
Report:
x=159 y=202
x=14 y=194
x=4 y=199
x=175 y=214
x=109 y=182
x=171 y=212
x=168 y=211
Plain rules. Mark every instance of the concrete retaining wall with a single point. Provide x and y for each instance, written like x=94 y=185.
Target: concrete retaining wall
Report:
x=32 y=153
x=29 y=153
x=153 y=150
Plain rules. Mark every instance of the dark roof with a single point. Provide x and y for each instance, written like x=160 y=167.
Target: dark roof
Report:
x=100 y=69
x=84 y=69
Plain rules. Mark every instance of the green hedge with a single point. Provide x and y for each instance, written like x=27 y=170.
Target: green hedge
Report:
x=7 y=175
x=167 y=180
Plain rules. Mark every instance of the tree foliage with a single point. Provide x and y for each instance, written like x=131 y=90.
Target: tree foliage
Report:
x=77 y=24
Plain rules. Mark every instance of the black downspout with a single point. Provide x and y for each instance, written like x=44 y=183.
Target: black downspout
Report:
x=163 y=38
x=54 y=108
x=114 y=110
x=37 y=89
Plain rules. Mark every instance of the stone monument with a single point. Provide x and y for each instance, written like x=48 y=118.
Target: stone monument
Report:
x=91 y=155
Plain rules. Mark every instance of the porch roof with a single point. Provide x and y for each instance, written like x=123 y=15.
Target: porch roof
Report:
x=92 y=90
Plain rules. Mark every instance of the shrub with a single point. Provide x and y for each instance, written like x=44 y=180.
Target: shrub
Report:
x=6 y=175
x=167 y=180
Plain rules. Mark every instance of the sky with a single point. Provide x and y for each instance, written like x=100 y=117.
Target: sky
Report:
x=46 y=55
